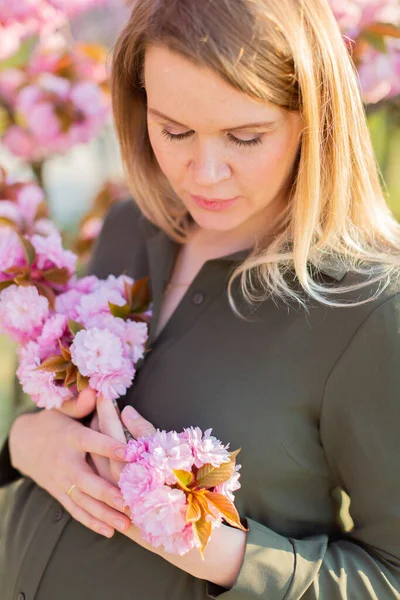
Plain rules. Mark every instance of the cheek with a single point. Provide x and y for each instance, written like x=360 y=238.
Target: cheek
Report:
x=170 y=159
x=270 y=166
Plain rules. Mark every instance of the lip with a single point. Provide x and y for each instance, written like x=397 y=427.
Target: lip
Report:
x=214 y=204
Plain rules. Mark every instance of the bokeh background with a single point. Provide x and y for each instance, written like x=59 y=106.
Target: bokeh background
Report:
x=56 y=126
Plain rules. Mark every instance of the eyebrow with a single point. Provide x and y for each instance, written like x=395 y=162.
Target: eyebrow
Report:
x=157 y=113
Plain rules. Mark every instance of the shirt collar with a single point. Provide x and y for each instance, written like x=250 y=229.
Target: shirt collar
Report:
x=162 y=252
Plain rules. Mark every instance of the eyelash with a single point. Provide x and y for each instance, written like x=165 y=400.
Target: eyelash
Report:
x=183 y=136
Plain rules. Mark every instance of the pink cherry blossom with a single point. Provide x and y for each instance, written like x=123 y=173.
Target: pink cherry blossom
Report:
x=98 y=354
x=138 y=479
x=50 y=252
x=168 y=452
x=22 y=312
x=40 y=385
x=113 y=385
x=11 y=252
x=205 y=447
x=160 y=513
x=136 y=449
x=54 y=329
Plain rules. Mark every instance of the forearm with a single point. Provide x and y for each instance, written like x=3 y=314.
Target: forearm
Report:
x=223 y=556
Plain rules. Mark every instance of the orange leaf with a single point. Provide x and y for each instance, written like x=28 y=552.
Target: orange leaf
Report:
x=58 y=276
x=202 y=531
x=140 y=295
x=194 y=511
x=54 y=364
x=5 y=284
x=70 y=375
x=184 y=478
x=47 y=292
x=207 y=475
x=8 y=222
x=82 y=382
x=29 y=250
x=226 y=507
x=65 y=353
x=385 y=29
x=128 y=292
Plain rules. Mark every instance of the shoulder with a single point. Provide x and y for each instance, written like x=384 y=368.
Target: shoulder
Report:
x=122 y=238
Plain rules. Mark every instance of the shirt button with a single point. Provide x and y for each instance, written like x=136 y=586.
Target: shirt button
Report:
x=198 y=298
x=21 y=596
x=58 y=514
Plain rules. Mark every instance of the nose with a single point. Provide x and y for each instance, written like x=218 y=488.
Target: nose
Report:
x=209 y=166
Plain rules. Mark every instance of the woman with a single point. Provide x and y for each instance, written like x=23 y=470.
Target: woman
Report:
x=273 y=261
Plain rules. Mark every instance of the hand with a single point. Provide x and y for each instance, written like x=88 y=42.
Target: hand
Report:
x=56 y=459
x=108 y=422
x=224 y=553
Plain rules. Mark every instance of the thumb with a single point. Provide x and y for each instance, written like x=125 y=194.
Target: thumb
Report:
x=81 y=406
x=136 y=424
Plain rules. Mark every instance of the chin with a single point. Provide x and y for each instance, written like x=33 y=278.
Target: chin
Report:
x=216 y=221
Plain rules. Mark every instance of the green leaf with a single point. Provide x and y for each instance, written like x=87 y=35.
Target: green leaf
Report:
x=226 y=507
x=119 y=311
x=29 y=250
x=74 y=326
x=22 y=56
x=375 y=40
x=184 y=478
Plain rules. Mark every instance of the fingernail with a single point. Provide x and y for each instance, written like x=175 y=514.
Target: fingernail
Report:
x=130 y=412
x=120 y=525
x=106 y=532
x=120 y=452
x=119 y=504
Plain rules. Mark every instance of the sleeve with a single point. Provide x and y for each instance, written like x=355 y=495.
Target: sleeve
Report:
x=360 y=427
x=120 y=216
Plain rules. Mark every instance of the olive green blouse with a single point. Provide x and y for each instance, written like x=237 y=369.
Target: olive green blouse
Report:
x=312 y=397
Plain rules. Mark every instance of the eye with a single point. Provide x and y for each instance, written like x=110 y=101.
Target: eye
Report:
x=176 y=136
x=239 y=142
x=232 y=138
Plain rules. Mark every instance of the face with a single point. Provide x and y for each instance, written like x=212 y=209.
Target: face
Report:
x=228 y=157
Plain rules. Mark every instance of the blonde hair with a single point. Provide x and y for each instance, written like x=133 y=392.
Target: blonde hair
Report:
x=291 y=53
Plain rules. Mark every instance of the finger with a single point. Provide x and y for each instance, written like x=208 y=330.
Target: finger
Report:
x=82 y=516
x=81 y=406
x=100 y=512
x=93 y=442
x=96 y=487
x=94 y=423
x=136 y=424
x=109 y=421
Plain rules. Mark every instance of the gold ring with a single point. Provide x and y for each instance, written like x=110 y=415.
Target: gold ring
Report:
x=70 y=489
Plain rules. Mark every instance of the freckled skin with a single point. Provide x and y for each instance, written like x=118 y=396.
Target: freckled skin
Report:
x=209 y=162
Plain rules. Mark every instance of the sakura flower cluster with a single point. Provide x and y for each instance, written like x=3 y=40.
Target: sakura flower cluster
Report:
x=179 y=487
x=55 y=102
x=371 y=29
x=72 y=333
x=21 y=19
